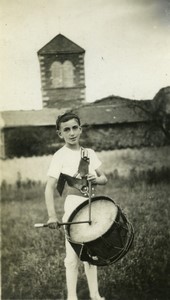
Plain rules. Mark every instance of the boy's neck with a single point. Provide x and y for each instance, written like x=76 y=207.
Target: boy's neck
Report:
x=73 y=147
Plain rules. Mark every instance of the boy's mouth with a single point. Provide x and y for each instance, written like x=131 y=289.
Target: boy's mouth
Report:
x=73 y=139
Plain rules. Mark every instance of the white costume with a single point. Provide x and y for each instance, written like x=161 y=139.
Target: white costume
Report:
x=67 y=161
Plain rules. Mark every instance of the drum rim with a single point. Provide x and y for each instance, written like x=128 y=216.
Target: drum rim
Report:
x=67 y=227
x=121 y=253
x=114 y=258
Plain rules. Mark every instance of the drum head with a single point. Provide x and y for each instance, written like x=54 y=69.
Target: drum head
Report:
x=103 y=215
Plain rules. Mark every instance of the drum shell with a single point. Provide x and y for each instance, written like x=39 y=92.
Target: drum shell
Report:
x=109 y=247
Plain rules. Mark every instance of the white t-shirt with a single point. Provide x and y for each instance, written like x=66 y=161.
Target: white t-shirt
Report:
x=67 y=161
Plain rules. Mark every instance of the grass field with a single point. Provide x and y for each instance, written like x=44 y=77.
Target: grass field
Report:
x=32 y=259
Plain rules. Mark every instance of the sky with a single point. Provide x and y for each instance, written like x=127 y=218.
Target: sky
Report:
x=127 y=44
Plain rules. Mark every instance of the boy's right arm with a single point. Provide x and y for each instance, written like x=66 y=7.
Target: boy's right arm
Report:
x=49 y=199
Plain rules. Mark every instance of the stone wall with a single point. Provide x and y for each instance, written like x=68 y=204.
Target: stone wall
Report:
x=130 y=135
x=29 y=141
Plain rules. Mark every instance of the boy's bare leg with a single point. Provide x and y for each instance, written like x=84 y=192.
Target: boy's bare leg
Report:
x=71 y=264
x=91 y=274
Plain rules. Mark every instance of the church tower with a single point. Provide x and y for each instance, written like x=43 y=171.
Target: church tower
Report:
x=62 y=73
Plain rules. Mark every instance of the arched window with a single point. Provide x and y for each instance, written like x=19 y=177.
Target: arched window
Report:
x=57 y=74
x=62 y=74
x=68 y=74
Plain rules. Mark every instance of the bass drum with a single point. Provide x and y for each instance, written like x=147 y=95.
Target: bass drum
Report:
x=109 y=236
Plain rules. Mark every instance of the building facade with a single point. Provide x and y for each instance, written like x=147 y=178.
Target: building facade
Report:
x=111 y=123
x=62 y=73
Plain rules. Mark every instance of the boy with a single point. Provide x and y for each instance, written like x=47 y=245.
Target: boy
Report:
x=67 y=161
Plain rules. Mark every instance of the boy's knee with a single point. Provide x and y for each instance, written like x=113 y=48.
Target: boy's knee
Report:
x=71 y=263
x=87 y=265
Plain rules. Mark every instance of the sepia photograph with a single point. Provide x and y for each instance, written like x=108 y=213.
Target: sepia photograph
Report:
x=85 y=149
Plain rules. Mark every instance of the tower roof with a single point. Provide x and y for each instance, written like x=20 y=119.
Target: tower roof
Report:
x=60 y=44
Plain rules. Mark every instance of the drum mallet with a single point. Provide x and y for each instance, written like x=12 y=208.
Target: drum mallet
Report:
x=40 y=225
x=90 y=193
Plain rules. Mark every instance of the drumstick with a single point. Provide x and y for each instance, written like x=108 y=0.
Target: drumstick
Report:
x=40 y=225
x=90 y=190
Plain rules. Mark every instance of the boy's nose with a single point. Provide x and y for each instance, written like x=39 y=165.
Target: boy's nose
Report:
x=72 y=132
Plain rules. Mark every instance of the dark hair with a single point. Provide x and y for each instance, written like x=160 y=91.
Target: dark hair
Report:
x=66 y=117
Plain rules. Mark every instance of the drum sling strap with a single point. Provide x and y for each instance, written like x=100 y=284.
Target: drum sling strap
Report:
x=79 y=180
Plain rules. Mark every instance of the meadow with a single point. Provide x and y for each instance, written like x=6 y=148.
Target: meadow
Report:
x=32 y=259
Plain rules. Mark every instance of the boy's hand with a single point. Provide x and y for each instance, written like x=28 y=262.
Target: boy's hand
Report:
x=53 y=223
x=92 y=178
x=99 y=179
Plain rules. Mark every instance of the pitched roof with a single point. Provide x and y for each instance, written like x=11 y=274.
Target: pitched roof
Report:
x=110 y=110
x=104 y=114
x=60 y=44
x=111 y=114
x=45 y=117
x=117 y=100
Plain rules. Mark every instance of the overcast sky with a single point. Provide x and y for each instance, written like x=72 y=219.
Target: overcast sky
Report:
x=127 y=45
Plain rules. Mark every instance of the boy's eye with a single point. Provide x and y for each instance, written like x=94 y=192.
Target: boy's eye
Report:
x=66 y=129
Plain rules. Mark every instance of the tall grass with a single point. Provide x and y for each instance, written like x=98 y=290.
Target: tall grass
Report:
x=35 y=168
x=32 y=259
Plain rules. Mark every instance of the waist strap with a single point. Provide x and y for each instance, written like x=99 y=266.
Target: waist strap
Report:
x=84 y=192
x=71 y=181
x=76 y=185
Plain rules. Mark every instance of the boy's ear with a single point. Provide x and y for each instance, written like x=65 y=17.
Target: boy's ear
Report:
x=59 y=134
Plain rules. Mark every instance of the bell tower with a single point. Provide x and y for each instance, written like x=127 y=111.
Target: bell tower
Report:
x=62 y=73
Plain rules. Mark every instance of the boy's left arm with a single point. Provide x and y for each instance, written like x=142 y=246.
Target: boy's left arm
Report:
x=99 y=179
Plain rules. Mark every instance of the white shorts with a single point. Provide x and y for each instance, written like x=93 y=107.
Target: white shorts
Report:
x=71 y=203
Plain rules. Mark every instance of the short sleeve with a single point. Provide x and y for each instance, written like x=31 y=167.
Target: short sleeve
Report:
x=55 y=166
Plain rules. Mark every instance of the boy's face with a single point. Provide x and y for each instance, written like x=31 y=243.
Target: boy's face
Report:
x=70 y=131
